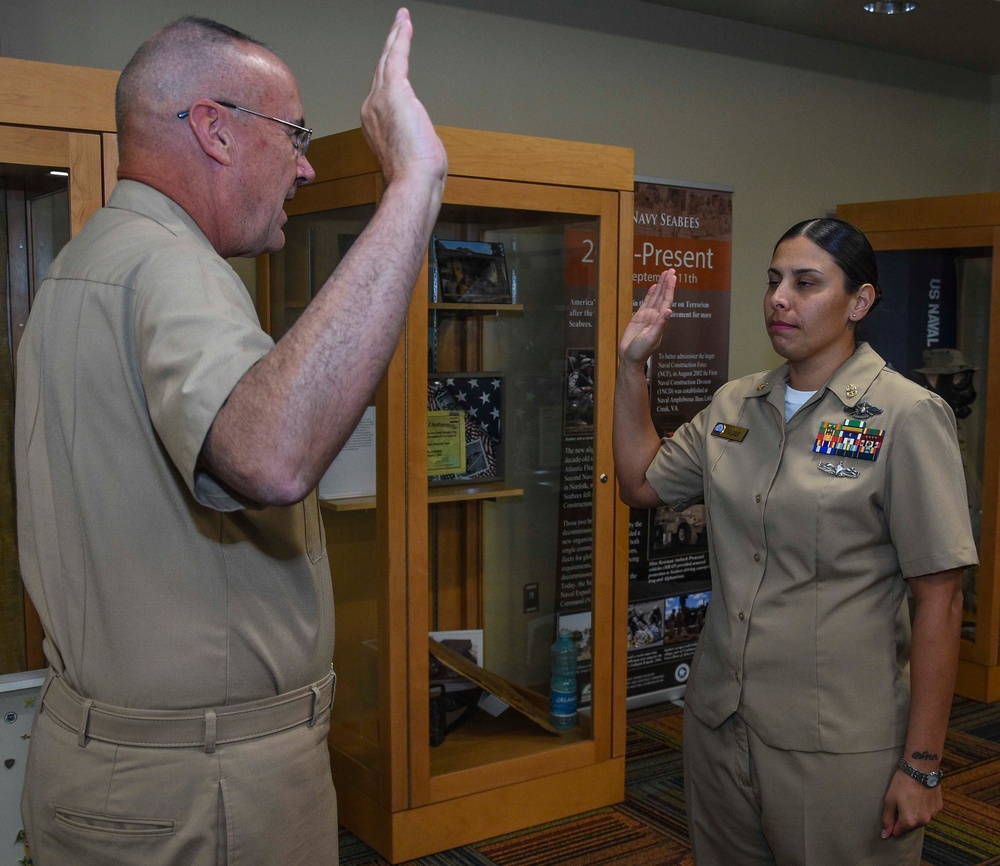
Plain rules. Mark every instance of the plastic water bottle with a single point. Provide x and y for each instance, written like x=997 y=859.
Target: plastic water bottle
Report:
x=562 y=690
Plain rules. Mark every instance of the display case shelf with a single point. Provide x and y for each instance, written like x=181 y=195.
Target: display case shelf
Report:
x=349 y=503
x=510 y=736
x=494 y=491
x=496 y=309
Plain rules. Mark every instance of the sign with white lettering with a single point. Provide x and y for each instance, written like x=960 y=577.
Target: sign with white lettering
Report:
x=574 y=581
x=919 y=307
x=688 y=228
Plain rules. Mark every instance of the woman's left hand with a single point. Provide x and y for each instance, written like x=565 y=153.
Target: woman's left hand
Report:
x=644 y=331
x=908 y=805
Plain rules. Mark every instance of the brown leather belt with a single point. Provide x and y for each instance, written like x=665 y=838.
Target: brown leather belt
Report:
x=180 y=729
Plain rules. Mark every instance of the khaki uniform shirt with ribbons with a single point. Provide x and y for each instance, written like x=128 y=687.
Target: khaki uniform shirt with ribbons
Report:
x=156 y=586
x=807 y=633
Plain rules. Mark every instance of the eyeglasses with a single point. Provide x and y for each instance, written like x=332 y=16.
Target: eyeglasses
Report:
x=300 y=140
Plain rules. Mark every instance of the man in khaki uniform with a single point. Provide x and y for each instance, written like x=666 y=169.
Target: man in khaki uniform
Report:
x=167 y=453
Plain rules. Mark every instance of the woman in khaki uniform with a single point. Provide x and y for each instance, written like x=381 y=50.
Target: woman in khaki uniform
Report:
x=816 y=712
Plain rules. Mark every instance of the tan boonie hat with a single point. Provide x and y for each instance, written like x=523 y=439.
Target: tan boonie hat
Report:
x=944 y=361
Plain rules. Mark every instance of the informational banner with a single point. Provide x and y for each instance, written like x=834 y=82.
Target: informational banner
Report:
x=576 y=501
x=574 y=551
x=688 y=228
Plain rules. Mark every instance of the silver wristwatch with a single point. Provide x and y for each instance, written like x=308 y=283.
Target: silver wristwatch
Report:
x=929 y=780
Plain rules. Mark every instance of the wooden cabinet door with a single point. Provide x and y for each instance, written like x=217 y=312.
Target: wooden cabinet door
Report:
x=38 y=213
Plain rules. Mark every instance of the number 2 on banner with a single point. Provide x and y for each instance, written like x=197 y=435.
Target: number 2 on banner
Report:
x=581 y=256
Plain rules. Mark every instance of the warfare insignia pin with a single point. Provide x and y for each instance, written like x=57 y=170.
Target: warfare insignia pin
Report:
x=839 y=471
x=863 y=410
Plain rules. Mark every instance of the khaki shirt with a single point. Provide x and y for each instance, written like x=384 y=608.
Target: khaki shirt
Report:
x=156 y=587
x=808 y=632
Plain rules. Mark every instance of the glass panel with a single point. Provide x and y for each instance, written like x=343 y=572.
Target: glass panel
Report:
x=49 y=229
x=354 y=718
x=933 y=326
x=515 y=566
x=314 y=246
x=34 y=226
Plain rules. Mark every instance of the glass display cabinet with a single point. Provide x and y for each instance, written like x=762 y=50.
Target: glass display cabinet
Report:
x=479 y=506
x=939 y=265
x=58 y=156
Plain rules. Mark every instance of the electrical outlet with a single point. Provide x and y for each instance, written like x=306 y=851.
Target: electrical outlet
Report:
x=530 y=597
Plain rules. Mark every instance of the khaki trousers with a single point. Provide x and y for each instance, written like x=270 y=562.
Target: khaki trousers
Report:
x=749 y=803
x=263 y=801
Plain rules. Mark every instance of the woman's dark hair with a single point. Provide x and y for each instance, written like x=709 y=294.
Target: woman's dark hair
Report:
x=847 y=245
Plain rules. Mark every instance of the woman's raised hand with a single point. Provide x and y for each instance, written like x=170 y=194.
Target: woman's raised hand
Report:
x=645 y=331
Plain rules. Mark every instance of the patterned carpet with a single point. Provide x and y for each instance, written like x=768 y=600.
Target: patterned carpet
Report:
x=648 y=828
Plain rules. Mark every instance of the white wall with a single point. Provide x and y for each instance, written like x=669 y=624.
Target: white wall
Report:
x=795 y=125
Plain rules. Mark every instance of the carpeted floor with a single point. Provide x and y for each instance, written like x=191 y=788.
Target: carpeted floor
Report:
x=648 y=828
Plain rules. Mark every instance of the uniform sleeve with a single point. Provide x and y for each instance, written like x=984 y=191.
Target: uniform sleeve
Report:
x=676 y=473
x=197 y=334
x=926 y=501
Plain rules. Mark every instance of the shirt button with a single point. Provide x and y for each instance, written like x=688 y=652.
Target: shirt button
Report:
x=736 y=674
x=757 y=498
x=756 y=557
x=743 y=616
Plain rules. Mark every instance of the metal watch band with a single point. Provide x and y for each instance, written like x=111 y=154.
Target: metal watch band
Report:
x=929 y=780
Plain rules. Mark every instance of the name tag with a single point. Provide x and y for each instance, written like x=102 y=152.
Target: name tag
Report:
x=730 y=431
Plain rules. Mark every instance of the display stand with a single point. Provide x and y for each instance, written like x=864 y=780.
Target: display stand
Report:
x=513 y=528
x=939 y=263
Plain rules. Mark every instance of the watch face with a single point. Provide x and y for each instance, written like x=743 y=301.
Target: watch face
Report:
x=932 y=780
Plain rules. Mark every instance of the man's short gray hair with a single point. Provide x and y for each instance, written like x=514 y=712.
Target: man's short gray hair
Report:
x=174 y=64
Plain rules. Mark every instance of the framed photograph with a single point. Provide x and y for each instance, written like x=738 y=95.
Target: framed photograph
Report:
x=465 y=435
x=469 y=272
x=579 y=395
x=468 y=643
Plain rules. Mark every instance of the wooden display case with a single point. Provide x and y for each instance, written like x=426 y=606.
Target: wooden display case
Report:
x=942 y=257
x=52 y=117
x=479 y=553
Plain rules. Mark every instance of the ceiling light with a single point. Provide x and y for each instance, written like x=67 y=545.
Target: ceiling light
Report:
x=889 y=7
